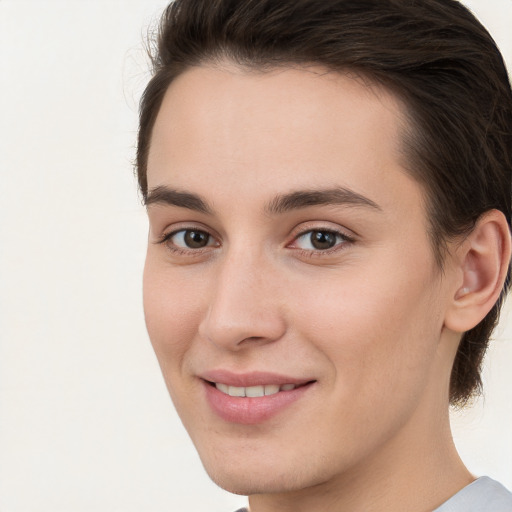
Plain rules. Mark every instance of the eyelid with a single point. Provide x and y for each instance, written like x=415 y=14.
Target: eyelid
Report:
x=166 y=236
x=307 y=227
x=347 y=237
x=164 y=232
x=184 y=231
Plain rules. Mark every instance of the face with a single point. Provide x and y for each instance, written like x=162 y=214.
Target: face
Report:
x=290 y=290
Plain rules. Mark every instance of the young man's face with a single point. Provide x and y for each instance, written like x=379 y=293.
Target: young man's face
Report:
x=288 y=247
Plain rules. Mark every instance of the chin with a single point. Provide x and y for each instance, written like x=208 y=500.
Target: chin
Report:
x=271 y=475
x=244 y=484
x=248 y=482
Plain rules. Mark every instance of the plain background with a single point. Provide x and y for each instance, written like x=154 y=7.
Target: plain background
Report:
x=85 y=420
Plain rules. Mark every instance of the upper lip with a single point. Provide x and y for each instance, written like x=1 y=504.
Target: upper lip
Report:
x=255 y=378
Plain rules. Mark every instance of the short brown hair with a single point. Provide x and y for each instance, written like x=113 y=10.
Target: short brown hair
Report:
x=433 y=54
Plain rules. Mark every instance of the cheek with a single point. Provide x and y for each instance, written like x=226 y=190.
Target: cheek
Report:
x=171 y=315
x=374 y=330
x=381 y=351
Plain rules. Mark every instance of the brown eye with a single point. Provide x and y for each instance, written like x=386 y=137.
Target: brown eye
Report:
x=191 y=239
x=318 y=240
x=322 y=240
x=196 y=239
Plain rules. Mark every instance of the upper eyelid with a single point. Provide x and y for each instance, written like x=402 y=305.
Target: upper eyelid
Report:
x=345 y=237
x=166 y=237
x=165 y=241
x=300 y=230
x=170 y=231
x=307 y=227
x=327 y=230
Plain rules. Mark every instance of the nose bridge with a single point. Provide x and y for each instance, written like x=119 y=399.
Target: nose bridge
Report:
x=243 y=305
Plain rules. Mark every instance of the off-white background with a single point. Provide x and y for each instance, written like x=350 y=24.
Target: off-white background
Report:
x=85 y=421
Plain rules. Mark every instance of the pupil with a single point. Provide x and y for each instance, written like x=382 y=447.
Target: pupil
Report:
x=196 y=239
x=323 y=239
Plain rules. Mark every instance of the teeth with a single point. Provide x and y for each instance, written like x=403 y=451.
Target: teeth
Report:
x=253 y=391
x=223 y=388
x=271 y=389
x=234 y=391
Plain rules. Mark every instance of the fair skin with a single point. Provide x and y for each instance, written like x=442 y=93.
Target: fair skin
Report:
x=336 y=292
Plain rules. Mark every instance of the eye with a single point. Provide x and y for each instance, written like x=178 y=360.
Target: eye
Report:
x=190 y=239
x=319 y=240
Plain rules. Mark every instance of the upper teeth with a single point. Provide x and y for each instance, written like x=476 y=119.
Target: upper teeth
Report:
x=253 y=391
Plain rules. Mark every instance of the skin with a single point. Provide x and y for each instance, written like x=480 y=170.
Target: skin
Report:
x=369 y=319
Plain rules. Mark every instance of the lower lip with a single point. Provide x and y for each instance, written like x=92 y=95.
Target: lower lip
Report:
x=251 y=410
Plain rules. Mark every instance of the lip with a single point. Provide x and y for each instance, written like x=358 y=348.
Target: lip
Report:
x=251 y=378
x=249 y=410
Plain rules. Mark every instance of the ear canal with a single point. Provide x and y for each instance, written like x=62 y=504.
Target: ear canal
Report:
x=472 y=272
x=463 y=291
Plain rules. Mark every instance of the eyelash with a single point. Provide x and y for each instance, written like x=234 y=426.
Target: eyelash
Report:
x=342 y=239
x=166 y=238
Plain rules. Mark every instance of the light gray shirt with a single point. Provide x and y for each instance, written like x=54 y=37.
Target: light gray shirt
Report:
x=482 y=495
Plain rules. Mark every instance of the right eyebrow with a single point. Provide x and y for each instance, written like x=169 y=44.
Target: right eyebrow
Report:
x=168 y=196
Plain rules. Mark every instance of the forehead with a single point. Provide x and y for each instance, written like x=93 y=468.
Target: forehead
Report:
x=226 y=128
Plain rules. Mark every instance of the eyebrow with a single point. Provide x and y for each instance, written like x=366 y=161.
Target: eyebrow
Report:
x=171 y=197
x=280 y=204
x=305 y=198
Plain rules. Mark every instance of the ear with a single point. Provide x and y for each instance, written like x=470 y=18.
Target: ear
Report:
x=483 y=259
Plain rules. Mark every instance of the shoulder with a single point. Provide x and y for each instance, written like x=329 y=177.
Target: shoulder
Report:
x=483 y=495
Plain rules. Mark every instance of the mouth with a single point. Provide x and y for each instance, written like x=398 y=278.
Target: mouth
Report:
x=255 y=391
x=252 y=398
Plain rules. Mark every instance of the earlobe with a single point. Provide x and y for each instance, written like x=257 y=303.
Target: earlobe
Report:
x=484 y=258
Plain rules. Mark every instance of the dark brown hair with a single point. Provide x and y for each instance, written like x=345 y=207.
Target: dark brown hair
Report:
x=433 y=54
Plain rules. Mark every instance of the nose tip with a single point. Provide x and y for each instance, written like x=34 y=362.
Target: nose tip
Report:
x=243 y=311
x=233 y=331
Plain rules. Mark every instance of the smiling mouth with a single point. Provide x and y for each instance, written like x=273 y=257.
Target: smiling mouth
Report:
x=264 y=395
x=255 y=391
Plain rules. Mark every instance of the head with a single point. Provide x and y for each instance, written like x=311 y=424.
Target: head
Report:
x=445 y=102
x=433 y=55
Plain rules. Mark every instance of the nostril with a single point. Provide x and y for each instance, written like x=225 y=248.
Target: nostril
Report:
x=252 y=339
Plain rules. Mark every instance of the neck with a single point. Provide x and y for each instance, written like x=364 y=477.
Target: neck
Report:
x=418 y=470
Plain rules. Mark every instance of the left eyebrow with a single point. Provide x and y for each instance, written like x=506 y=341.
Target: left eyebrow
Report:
x=305 y=198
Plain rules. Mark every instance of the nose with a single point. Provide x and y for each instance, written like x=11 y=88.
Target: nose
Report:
x=244 y=307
